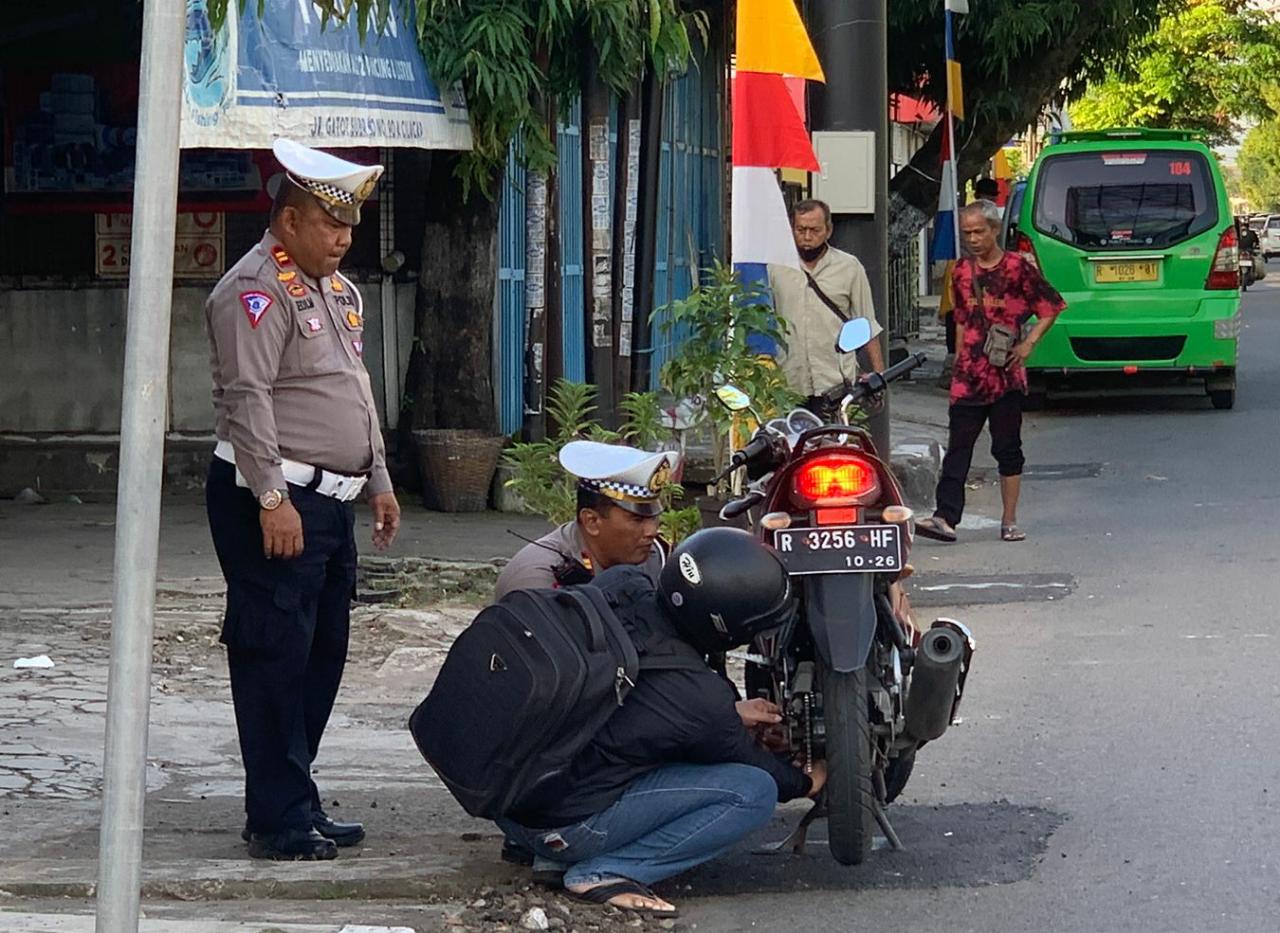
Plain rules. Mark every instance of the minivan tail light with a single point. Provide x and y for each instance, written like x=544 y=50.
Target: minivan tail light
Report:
x=1027 y=249
x=1225 y=274
x=835 y=479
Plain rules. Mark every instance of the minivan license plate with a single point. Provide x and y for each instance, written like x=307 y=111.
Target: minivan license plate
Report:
x=1106 y=273
x=840 y=549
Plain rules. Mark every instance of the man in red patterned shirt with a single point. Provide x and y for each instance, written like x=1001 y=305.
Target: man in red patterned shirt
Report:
x=995 y=294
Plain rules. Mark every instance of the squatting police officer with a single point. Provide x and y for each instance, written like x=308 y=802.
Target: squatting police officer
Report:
x=298 y=441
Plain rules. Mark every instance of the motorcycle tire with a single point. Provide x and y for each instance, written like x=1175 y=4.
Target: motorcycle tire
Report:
x=850 y=797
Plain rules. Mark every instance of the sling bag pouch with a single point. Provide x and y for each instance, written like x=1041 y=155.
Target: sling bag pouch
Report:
x=1001 y=338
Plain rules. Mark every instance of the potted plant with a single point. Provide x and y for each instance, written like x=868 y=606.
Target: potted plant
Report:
x=725 y=327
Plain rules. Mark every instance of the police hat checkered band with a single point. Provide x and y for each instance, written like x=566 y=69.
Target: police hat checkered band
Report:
x=626 y=489
x=331 y=193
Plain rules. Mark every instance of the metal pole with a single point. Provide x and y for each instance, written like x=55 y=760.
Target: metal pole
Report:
x=146 y=393
x=851 y=39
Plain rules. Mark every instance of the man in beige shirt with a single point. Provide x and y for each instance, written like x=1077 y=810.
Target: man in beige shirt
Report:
x=298 y=441
x=816 y=300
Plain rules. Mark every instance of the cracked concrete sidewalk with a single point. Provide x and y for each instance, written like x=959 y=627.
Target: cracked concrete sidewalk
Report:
x=55 y=595
x=55 y=592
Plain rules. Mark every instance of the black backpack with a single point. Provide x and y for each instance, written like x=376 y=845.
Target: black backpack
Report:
x=522 y=691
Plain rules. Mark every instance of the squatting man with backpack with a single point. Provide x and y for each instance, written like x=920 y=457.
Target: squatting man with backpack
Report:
x=995 y=293
x=618 y=511
x=585 y=722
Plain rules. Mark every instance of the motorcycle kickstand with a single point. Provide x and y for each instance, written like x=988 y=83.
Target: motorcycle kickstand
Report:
x=887 y=828
x=795 y=840
x=882 y=818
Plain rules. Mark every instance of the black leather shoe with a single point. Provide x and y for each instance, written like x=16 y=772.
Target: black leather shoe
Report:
x=342 y=834
x=304 y=845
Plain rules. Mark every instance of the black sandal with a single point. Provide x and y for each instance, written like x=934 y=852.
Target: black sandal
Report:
x=602 y=894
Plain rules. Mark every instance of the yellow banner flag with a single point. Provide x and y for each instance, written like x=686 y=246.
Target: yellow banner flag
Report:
x=955 y=89
x=772 y=39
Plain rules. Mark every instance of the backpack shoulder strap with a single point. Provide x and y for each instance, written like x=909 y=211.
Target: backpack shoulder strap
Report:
x=672 y=662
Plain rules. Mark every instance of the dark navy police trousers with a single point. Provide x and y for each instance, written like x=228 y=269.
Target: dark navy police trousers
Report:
x=286 y=630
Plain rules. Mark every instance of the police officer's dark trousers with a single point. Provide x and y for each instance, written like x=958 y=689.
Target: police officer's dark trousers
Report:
x=285 y=629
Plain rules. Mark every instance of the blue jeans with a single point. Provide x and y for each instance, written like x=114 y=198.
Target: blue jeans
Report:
x=666 y=822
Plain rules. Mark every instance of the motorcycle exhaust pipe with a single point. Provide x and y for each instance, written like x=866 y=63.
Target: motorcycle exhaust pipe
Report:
x=935 y=683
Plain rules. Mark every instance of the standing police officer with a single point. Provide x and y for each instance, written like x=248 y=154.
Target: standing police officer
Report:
x=298 y=441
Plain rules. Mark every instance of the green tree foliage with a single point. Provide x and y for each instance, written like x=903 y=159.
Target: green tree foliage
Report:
x=1259 y=165
x=1206 y=68
x=1018 y=56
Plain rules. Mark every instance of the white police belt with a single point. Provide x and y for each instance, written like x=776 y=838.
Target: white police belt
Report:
x=335 y=485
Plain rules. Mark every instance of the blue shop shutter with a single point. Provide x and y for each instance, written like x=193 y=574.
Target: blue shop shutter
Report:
x=569 y=142
x=690 y=208
x=511 y=298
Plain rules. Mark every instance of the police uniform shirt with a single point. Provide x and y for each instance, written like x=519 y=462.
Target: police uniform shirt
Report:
x=288 y=378
x=534 y=565
x=811 y=363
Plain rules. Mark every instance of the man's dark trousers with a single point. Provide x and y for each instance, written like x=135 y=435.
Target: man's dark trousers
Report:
x=1004 y=418
x=286 y=630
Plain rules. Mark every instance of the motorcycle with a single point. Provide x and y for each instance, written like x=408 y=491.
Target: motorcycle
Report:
x=1248 y=274
x=858 y=684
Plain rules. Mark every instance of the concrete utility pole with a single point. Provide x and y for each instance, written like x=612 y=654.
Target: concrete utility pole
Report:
x=146 y=396
x=850 y=37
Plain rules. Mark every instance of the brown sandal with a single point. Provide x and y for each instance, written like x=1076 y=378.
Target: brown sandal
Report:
x=1012 y=533
x=936 y=528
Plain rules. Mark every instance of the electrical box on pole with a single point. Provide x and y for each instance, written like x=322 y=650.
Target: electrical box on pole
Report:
x=847 y=178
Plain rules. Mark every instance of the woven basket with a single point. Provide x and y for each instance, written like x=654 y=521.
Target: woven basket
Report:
x=457 y=467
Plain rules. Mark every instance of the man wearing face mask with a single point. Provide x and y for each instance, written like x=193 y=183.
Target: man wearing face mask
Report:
x=816 y=300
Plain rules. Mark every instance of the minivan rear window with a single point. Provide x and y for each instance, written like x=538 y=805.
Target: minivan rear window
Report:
x=1129 y=199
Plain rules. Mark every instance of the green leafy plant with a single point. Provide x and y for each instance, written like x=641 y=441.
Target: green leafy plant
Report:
x=547 y=489
x=721 y=323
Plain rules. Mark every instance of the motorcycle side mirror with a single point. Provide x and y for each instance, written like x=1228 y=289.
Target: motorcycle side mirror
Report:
x=854 y=335
x=733 y=398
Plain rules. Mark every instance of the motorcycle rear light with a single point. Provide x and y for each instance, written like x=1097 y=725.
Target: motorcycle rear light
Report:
x=837 y=516
x=1225 y=274
x=833 y=480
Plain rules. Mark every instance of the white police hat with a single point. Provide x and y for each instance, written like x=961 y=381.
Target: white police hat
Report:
x=632 y=478
x=340 y=186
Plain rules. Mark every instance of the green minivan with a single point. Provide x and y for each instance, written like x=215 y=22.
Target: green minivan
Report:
x=1134 y=228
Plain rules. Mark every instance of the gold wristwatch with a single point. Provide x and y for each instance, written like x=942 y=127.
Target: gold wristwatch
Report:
x=272 y=498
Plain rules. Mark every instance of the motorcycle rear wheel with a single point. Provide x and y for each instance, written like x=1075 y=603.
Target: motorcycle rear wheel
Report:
x=850 y=797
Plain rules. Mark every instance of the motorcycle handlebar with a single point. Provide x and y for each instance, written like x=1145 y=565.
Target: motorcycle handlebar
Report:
x=875 y=383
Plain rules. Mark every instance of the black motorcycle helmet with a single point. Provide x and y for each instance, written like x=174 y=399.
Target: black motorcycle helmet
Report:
x=721 y=588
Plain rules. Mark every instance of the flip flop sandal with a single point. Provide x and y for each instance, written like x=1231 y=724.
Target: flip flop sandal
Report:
x=1012 y=533
x=936 y=528
x=602 y=894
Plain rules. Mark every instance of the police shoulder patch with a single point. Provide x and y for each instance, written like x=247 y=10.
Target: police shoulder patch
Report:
x=255 y=305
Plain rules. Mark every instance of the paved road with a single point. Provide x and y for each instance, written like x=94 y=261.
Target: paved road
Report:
x=1117 y=769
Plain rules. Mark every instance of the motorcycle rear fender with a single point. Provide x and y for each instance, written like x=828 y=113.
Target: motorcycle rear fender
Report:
x=840 y=609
